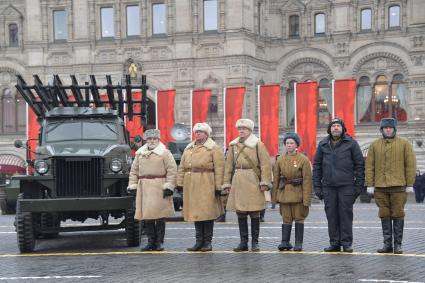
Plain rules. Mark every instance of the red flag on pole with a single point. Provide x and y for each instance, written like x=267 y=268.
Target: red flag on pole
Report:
x=165 y=113
x=32 y=136
x=268 y=96
x=200 y=100
x=233 y=104
x=135 y=126
x=306 y=116
x=343 y=97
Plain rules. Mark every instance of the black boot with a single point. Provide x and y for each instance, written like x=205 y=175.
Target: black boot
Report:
x=398 y=225
x=387 y=231
x=255 y=233
x=243 y=231
x=160 y=233
x=332 y=248
x=285 y=245
x=151 y=234
x=262 y=213
x=199 y=234
x=208 y=235
x=299 y=236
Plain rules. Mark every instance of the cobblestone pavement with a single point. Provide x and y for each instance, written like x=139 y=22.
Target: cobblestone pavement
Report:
x=104 y=256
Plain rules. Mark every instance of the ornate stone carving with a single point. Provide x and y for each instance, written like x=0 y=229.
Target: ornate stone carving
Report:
x=107 y=55
x=160 y=52
x=417 y=59
x=135 y=53
x=383 y=61
x=59 y=58
x=418 y=41
x=308 y=66
x=210 y=50
x=341 y=48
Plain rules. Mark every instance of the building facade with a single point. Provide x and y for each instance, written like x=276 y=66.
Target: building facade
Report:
x=192 y=44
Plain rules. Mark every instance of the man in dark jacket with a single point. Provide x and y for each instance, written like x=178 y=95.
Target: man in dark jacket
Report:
x=338 y=178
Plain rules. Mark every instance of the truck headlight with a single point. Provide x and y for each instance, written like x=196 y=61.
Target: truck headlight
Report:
x=116 y=165
x=41 y=167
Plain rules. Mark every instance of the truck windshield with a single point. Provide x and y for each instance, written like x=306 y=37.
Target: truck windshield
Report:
x=81 y=130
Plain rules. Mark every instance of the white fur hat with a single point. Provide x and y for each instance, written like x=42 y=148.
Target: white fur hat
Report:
x=152 y=133
x=204 y=127
x=247 y=123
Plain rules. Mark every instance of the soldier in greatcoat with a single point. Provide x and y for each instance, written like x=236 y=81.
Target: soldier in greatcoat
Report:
x=292 y=187
x=153 y=174
x=247 y=177
x=200 y=176
x=390 y=171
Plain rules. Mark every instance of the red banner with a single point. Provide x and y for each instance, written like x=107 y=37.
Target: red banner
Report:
x=343 y=98
x=269 y=117
x=33 y=128
x=165 y=113
x=200 y=103
x=135 y=126
x=233 y=103
x=306 y=117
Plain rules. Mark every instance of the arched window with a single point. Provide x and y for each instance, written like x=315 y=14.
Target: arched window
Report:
x=324 y=110
x=290 y=104
x=394 y=16
x=213 y=107
x=21 y=111
x=294 y=26
x=319 y=23
x=398 y=96
x=366 y=20
x=364 y=97
x=385 y=99
x=13 y=35
x=9 y=108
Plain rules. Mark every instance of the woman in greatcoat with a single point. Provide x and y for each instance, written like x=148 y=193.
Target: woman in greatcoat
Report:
x=200 y=175
x=153 y=175
x=292 y=189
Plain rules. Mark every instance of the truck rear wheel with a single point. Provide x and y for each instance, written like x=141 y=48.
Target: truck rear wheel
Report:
x=132 y=227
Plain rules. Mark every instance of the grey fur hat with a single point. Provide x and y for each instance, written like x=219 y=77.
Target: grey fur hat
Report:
x=294 y=136
x=388 y=122
x=152 y=133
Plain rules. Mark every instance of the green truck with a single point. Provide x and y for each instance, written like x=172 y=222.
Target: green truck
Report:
x=81 y=163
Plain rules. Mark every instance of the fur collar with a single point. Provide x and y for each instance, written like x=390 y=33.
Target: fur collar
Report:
x=251 y=141
x=209 y=143
x=159 y=149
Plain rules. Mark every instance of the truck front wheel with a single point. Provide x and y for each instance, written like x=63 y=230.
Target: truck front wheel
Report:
x=132 y=227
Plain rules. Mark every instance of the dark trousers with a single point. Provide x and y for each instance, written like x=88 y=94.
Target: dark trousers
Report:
x=339 y=212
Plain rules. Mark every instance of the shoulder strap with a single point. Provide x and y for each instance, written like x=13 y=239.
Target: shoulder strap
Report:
x=251 y=163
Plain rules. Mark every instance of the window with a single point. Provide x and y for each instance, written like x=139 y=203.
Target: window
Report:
x=294 y=26
x=133 y=20
x=21 y=114
x=385 y=99
x=60 y=25
x=13 y=35
x=259 y=18
x=290 y=104
x=210 y=15
x=324 y=110
x=319 y=23
x=158 y=18
x=107 y=22
x=394 y=17
x=9 y=112
x=213 y=107
x=366 y=20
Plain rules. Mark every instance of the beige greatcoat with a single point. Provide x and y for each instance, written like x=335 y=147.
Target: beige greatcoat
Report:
x=245 y=194
x=200 y=202
x=292 y=167
x=150 y=203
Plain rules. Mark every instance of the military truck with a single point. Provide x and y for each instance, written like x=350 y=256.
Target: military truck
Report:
x=82 y=161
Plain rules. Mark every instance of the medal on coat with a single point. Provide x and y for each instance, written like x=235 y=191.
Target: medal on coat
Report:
x=295 y=164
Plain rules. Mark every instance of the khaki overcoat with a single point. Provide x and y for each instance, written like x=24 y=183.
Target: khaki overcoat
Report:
x=292 y=167
x=245 y=194
x=200 y=174
x=150 y=203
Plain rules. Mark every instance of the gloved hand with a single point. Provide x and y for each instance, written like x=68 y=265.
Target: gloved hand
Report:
x=409 y=190
x=318 y=192
x=370 y=190
x=167 y=193
x=357 y=192
x=131 y=192
x=179 y=188
x=218 y=193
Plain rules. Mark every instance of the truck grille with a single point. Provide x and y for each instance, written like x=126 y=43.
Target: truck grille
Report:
x=78 y=177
